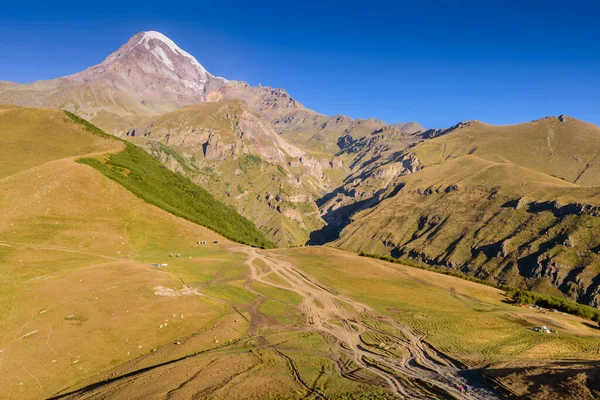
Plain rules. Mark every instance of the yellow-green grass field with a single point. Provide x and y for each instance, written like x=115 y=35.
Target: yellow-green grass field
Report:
x=78 y=292
x=469 y=321
x=31 y=136
x=78 y=288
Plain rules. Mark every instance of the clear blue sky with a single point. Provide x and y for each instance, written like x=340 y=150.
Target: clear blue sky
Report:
x=434 y=62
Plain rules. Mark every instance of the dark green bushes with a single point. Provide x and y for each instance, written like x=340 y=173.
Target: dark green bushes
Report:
x=568 y=306
x=87 y=126
x=148 y=179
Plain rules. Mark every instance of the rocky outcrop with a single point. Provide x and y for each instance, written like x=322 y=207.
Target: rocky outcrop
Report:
x=478 y=232
x=432 y=133
x=264 y=99
x=214 y=149
x=559 y=209
x=345 y=141
x=313 y=165
x=336 y=163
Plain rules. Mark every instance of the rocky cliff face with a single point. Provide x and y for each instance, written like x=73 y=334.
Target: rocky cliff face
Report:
x=465 y=231
x=301 y=126
x=235 y=153
x=376 y=161
x=213 y=149
x=457 y=204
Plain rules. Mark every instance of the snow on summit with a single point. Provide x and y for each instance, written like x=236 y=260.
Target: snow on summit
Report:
x=164 y=50
x=150 y=69
x=154 y=35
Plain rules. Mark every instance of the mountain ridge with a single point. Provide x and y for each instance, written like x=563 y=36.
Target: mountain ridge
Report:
x=307 y=177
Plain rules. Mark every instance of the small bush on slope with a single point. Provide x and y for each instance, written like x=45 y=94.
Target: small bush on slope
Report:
x=148 y=179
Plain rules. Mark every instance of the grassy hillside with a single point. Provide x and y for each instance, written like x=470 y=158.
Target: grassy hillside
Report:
x=147 y=178
x=563 y=147
x=473 y=323
x=32 y=137
x=80 y=299
x=468 y=320
x=77 y=273
x=77 y=293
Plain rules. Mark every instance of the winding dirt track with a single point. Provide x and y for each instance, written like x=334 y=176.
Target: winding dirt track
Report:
x=411 y=368
x=421 y=373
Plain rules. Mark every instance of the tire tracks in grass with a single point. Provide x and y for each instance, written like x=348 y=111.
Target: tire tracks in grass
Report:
x=424 y=373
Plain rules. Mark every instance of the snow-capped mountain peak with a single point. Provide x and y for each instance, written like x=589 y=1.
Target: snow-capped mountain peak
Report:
x=152 y=69
x=163 y=49
x=149 y=36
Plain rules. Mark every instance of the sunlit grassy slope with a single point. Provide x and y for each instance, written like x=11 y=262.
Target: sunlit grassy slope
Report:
x=80 y=298
x=77 y=289
x=32 y=137
x=563 y=147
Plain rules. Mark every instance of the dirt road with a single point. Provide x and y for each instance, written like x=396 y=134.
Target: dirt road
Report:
x=419 y=372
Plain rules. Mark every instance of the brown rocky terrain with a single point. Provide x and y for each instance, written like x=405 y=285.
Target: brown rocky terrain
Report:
x=484 y=201
x=300 y=125
x=234 y=152
x=569 y=380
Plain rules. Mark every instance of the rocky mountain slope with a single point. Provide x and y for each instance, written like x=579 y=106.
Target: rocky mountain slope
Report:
x=299 y=125
x=483 y=201
x=148 y=75
x=234 y=152
x=141 y=93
